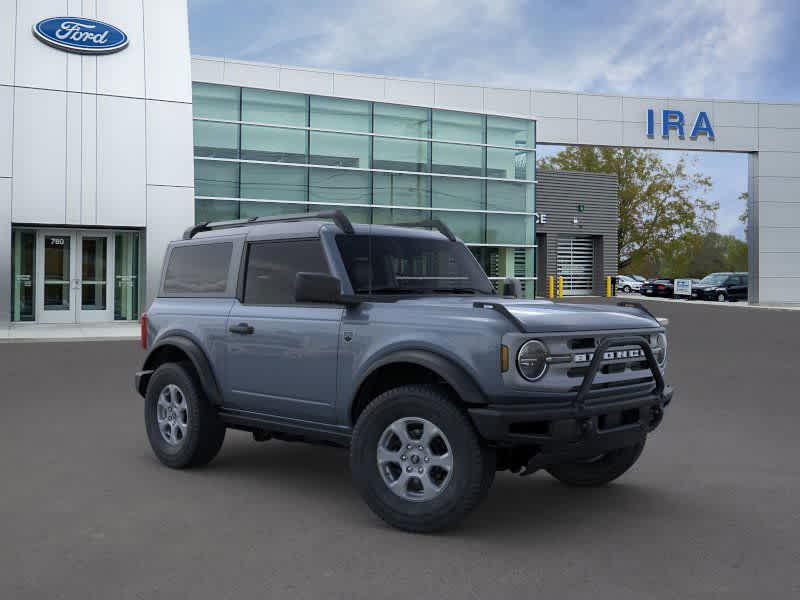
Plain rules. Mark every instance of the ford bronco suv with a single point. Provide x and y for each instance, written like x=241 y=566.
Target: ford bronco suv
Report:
x=391 y=340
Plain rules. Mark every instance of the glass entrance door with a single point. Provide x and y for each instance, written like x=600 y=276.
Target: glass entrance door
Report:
x=74 y=272
x=94 y=302
x=55 y=262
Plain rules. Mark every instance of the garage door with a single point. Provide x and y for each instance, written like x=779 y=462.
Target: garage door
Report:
x=576 y=264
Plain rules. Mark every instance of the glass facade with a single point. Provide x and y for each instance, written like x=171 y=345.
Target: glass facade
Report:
x=263 y=152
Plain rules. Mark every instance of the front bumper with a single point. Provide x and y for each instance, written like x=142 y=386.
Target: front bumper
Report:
x=563 y=425
x=585 y=425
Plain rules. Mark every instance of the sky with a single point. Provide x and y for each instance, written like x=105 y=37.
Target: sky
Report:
x=733 y=49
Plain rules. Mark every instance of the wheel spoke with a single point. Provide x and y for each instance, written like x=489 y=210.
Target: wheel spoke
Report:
x=388 y=456
x=173 y=395
x=400 y=430
x=443 y=461
x=400 y=484
x=429 y=433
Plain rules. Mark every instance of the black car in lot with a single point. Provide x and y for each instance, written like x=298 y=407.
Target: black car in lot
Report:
x=662 y=288
x=722 y=287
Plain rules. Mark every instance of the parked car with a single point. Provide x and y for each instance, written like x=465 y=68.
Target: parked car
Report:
x=391 y=341
x=639 y=278
x=628 y=284
x=722 y=287
x=663 y=288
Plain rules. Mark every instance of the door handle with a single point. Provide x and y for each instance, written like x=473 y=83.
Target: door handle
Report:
x=242 y=329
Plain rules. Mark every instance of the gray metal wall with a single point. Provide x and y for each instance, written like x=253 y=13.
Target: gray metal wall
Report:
x=558 y=195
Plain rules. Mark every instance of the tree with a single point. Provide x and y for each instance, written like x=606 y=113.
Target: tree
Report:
x=659 y=202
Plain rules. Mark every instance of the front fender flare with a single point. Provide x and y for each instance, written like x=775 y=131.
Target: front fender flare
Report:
x=456 y=377
x=196 y=356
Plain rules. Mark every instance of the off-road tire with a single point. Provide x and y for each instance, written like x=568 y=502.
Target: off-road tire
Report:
x=205 y=431
x=474 y=464
x=600 y=471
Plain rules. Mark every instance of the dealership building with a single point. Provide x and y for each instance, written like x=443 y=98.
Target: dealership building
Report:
x=114 y=139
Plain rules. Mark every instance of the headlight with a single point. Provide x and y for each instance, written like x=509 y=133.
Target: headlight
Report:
x=660 y=348
x=532 y=360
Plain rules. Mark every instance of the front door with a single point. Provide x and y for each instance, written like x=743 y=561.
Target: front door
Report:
x=73 y=272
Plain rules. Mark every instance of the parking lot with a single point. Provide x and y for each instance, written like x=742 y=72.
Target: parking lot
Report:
x=711 y=509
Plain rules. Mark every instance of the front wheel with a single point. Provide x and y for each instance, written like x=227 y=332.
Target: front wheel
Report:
x=721 y=297
x=626 y=289
x=417 y=460
x=599 y=470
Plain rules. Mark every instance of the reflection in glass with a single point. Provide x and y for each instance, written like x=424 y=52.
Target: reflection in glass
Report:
x=509 y=229
x=23 y=259
x=457 y=159
x=93 y=273
x=269 y=209
x=337 y=113
x=339 y=150
x=280 y=108
x=220 y=140
x=457 y=126
x=215 y=101
x=216 y=178
x=391 y=216
x=357 y=214
x=406 y=121
x=401 y=190
x=451 y=192
x=56 y=272
x=507 y=131
x=400 y=155
x=509 y=164
x=468 y=226
x=126 y=276
x=509 y=196
x=273 y=144
x=338 y=185
x=273 y=182
x=208 y=210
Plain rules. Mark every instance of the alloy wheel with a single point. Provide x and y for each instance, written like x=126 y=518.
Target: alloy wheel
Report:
x=415 y=459
x=172 y=414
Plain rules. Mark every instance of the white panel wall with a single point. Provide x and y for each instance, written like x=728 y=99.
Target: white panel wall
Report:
x=36 y=64
x=89 y=159
x=121 y=161
x=39 y=156
x=170 y=210
x=74 y=159
x=5 y=248
x=169 y=144
x=121 y=73
x=8 y=24
x=6 y=128
x=167 y=59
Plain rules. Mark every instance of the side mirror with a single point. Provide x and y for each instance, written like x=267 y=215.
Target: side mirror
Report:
x=512 y=287
x=317 y=287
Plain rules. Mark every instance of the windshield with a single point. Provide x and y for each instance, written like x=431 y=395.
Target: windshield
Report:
x=714 y=279
x=410 y=265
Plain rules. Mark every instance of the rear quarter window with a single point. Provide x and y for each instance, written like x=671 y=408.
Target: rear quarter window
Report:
x=198 y=269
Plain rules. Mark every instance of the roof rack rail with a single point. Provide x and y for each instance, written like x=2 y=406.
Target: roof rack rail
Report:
x=337 y=216
x=443 y=229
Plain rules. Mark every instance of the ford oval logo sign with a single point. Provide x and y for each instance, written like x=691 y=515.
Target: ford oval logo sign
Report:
x=76 y=34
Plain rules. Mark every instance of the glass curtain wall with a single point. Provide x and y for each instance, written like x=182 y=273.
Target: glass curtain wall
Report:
x=264 y=152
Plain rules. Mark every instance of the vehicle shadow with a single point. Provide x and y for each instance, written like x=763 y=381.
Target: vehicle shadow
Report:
x=516 y=507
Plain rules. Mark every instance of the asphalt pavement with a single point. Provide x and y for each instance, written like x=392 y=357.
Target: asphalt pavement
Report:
x=711 y=510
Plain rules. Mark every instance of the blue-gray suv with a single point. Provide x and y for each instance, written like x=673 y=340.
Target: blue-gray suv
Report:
x=391 y=340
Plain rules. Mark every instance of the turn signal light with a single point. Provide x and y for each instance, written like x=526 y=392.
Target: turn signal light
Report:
x=503 y=358
x=143 y=330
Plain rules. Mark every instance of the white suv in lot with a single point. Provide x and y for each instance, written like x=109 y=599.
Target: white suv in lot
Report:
x=627 y=284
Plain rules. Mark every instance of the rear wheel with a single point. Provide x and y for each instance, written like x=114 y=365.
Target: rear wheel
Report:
x=417 y=460
x=183 y=427
x=599 y=470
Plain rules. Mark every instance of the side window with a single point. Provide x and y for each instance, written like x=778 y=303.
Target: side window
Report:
x=273 y=266
x=198 y=269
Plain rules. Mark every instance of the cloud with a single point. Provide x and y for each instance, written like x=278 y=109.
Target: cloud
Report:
x=687 y=47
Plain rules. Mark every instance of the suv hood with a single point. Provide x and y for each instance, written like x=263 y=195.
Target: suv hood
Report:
x=543 y=316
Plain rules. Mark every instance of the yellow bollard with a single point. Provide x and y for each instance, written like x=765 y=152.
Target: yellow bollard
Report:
x=608 y=286
x=551 y=287
x=561 y=286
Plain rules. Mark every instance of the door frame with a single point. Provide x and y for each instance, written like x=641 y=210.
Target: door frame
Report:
x=75 y=314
